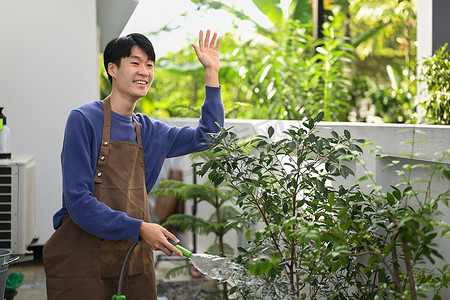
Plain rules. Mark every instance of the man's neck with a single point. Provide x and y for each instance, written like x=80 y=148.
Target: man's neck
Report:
x=122 y=105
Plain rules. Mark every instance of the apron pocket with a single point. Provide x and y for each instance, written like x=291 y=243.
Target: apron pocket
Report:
x=111 y=258
x=72 y=257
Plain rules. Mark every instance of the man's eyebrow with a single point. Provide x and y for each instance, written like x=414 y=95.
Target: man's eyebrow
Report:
x=138 y=57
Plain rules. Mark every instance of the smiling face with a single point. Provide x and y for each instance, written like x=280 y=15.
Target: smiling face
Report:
x=134 y=77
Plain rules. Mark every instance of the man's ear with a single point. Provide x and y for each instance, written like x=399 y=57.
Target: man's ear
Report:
x=112 y=69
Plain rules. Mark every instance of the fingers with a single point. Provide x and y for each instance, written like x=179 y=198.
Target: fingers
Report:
x=217 y=45
x=168 y=245
x=208 y=33
x=213 y=40
x=196 y=49
x=154 y=236
x=207 y=43
x=200 y=39
x=169 y=235
x=169 y=249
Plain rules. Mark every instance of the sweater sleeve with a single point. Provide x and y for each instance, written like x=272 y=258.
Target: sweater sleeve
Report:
x=185 y=140
x=78 y=159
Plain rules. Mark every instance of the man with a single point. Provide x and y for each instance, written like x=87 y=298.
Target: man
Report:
x=110 y=160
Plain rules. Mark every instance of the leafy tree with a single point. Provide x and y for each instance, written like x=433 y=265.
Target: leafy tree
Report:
x=330 y=241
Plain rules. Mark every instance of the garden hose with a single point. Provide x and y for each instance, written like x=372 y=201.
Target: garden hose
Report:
x=119 y=295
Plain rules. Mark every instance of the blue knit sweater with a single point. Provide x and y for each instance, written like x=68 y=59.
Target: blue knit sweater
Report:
x=81 y=148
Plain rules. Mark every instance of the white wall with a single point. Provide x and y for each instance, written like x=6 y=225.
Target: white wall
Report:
x=48 y=65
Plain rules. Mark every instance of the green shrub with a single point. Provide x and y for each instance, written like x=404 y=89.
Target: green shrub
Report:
x=323 y=240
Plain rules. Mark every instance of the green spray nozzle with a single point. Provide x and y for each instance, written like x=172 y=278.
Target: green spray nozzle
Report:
x=185 y=252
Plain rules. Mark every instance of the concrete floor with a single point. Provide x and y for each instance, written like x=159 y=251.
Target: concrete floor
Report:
x=34 y=280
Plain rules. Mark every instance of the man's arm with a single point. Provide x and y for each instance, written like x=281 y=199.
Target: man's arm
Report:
x=208 y=54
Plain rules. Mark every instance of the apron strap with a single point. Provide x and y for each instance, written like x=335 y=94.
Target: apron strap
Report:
x=106 y=120
x=104 y=147
x=138 y=133
x=106 y=135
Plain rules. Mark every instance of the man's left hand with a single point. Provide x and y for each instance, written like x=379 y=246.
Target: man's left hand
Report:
x=208 y=54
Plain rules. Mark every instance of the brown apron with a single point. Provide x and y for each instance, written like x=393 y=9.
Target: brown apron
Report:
x=79 y=265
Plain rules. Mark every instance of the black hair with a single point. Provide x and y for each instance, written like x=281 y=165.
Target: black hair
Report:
x=121 y=47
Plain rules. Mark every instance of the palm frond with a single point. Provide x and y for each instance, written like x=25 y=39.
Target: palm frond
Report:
x=187 y=222
x=180 y=270
x=172 y=188
x=226 y=213
x=202 y=192
x=215 y=249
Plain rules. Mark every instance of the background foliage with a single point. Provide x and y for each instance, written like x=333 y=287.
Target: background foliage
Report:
x=363 y=69
x=437 y=79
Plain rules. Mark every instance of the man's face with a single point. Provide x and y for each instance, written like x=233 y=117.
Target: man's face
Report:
x=134 y=76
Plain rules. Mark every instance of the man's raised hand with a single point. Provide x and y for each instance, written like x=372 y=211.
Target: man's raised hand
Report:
x=208 y=54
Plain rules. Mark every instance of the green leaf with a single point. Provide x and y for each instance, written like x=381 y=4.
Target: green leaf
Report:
x=331 y=198
x=248 y=235
x=390 y=199
x=240 y=249
x=301 y=10
x=270 y=131
x=234 y=289
x=446 y=174
x=397 y=194
x=320 y=115
x=218 y=180
x=368 y=34
x=388 y=249
x=343 y=211
x=406 y=190
x=277 y=218
x=271 y=8
x=347 y=134
x=347 y=224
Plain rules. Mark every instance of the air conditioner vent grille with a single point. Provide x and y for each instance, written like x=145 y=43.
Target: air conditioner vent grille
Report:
x=5 y=171
x=5 y=198
x=17 y=209
x=5 y=207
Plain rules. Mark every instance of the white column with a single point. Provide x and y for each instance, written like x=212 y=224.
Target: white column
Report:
x=424 y=45
x=433 y=32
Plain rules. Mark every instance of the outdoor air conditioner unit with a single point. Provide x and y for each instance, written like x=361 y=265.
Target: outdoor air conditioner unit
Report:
x=17 y=203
